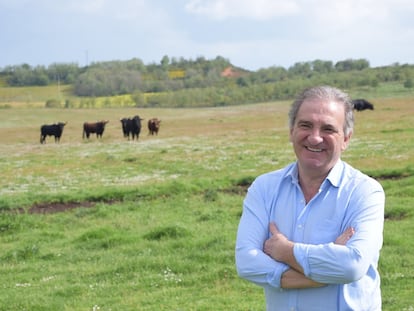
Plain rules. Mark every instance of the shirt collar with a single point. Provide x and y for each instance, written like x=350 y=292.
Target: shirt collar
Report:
x=292 y=172
x=334 y=176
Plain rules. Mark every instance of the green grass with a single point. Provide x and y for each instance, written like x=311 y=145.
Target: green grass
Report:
x=383 y=90
x=34 y=96
x=157 y=220
x=37 y=96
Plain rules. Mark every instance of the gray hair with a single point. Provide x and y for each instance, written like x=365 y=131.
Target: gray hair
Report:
x=328 y=93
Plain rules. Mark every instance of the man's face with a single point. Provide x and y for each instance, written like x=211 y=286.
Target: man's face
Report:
x=318 y=137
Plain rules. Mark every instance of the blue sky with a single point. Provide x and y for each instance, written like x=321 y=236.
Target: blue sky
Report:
x=252 y=34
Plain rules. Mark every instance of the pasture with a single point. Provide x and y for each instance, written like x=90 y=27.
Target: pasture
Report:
x=113 y=224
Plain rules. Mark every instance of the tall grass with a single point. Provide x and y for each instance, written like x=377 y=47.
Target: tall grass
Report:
x=155 y=220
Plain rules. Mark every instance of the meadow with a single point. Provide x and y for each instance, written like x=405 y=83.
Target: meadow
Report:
x=114 y=224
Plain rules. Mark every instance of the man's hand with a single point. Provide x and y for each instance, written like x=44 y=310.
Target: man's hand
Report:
x=344 y=237
x=277 y=244
x=280 y=248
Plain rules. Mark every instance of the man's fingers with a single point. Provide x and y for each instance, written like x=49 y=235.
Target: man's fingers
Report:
x=345 y=236
x=273 y=229
x=350 y=232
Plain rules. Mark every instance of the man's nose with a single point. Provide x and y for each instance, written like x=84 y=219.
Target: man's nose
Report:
x=315 y=137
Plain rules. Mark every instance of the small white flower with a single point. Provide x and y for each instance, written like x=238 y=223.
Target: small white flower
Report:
x=47 y=278
x=170 y=276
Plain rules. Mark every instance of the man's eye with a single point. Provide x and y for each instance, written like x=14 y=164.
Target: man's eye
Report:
x=330 y=130
x=304 y=125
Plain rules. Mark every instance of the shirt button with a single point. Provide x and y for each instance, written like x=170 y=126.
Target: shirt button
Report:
x=292 y=309
x=300 y=226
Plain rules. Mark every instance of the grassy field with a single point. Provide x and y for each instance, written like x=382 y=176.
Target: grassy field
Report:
x=151 y=224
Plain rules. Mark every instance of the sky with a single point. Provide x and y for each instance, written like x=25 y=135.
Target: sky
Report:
x=251 y=34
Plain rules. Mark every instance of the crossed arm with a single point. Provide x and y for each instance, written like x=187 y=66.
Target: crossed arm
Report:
x=281 y=249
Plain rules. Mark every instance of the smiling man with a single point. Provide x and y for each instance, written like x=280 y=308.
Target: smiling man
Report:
x=311 y=233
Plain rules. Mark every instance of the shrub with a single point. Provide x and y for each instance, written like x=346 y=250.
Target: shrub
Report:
x=53 y=103
x=408 y=83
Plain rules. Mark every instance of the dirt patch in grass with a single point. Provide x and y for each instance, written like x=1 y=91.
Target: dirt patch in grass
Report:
x=49 y=208
x=397 y=214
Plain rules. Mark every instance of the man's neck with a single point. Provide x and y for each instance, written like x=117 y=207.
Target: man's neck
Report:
x=310 y=184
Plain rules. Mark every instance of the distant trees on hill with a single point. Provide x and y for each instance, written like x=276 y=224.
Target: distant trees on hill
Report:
x=25 y=75
x=201 y=82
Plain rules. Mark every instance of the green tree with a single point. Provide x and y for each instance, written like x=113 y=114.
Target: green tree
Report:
x=321 y=66
x=350 y=64
x=301 y=69
x=165 y=61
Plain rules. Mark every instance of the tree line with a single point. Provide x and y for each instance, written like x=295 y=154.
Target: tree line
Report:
x=202 y=82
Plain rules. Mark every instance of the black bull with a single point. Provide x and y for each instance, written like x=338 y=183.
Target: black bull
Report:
x=362 y=104
x=97 y=127
x=131 y=127
x=51 y=130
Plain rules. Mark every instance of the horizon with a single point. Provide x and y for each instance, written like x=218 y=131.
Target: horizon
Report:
x=89 y=63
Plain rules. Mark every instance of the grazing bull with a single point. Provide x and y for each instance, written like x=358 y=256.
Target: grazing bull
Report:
x=362 y=104
x=131 y=127
x=51 y=130
x=153 y=126
x=97 y=127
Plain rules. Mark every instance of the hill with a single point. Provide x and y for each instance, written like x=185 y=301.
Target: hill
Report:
x=189 y=83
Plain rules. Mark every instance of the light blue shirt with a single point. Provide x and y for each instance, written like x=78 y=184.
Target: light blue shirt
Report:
x=346 y=198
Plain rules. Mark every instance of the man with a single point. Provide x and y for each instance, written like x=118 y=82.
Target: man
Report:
x=311 y=233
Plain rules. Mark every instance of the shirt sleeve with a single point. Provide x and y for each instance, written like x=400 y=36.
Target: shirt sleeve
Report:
x=340 y=264
x=251 y=262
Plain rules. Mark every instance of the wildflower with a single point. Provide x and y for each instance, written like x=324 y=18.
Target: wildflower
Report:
x=170 y=276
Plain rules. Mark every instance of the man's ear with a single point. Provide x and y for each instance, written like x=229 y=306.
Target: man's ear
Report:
x=345 y=143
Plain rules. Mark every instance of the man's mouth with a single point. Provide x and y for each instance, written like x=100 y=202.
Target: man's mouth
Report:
x=314 y=149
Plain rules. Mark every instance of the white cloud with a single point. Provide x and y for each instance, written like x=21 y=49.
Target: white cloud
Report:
x=347 y=14
x=120 y=9
x=90 y=6
x=257 y=10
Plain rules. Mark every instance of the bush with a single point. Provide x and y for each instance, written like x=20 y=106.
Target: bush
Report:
x=69 y=103
x=408 y=83
x=53 y=103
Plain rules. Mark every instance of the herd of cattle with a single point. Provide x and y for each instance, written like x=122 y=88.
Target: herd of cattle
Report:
x=131 y=128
